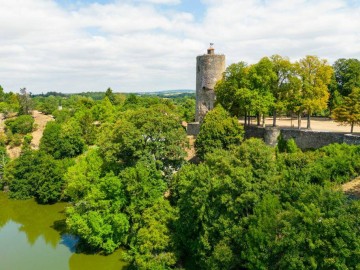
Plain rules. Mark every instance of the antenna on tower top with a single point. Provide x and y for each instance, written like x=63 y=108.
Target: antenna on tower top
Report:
x=211 y=44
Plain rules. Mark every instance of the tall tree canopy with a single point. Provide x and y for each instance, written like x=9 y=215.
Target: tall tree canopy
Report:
x=347 y=75
x=315 y=75
x=349 y=111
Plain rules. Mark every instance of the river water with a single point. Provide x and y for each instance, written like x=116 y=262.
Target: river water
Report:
x=31 y=239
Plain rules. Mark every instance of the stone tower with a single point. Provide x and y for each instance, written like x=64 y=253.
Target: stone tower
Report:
x=209 y=69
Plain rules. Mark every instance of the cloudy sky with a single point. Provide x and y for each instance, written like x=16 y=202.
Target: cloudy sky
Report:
x=144 y=45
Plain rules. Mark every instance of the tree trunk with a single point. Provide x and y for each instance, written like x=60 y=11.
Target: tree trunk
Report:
x=308 y=121
x=245 y=118
x=352 y=127
x=299 y=120
x=274 y=119
x=263 y=120
x=258 y=119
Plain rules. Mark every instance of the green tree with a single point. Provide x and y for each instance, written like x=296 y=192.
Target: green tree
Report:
x=35 y=174
x=347 y=75
x=154 y=131
x=4 y=159
x=218 y=131
x=104 y=111
x=262 y=77
x=315 y=75
x=49 y=104
x=108 y=211
x=213 y=198
x=316 y=230
x=349 y=112
x=10 y=104
x=285 y=76
x=87 y=125
x=185 y=107
x=153 y=247
x=2 y=94
x=62 y=140
x=97 y=214
x=110 y=95
x=232 y=91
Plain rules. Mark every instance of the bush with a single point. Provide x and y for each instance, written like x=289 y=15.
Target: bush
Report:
x=22 y=125
x=16 y=140
x=287 y=146
x=27 y=139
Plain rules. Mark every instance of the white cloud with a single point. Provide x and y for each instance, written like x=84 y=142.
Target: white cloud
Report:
x=138 y=45
x=167 y=2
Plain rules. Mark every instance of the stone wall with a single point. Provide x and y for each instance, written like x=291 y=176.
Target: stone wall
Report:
x=351 y=139
x=254 y=132
x=305 y=139
x=193 y=128
x=308 y=139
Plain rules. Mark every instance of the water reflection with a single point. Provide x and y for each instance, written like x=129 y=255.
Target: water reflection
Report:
x=69 y=241
x=33 y=236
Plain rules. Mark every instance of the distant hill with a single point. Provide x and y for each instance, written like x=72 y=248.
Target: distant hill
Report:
x=100 y=95
x=167 y=92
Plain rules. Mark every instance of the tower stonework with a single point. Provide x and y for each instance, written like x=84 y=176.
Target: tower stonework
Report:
x=209 y=69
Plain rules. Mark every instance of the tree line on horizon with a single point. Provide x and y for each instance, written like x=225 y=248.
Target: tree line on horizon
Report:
x=276 y=86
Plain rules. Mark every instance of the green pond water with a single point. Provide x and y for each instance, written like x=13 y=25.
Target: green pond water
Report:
x=30 y=239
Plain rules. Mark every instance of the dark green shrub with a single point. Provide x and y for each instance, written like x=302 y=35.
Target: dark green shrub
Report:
x=22 y=125
x=35 y=174
x=63 y=140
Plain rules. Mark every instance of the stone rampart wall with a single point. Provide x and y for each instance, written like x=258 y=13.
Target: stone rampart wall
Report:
x=305 y=139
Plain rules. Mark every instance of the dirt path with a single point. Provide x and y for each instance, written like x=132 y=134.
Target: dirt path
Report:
x=317 y=123
x=191 y=150
x=352 y=188
x=40 y=123
x=2 y=123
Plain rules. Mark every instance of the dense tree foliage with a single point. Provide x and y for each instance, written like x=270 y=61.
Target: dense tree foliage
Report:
x=315 y=75
x=347 y=75
x=218 y=131
x=62 y=140
x=250 y=208
x=35 y=174
x=154 y=131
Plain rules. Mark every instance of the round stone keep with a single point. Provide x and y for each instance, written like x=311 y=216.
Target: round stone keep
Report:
x=209 y=70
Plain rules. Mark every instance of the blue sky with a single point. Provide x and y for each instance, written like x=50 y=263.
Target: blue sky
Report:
x=143 y=45
x=195 y=7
